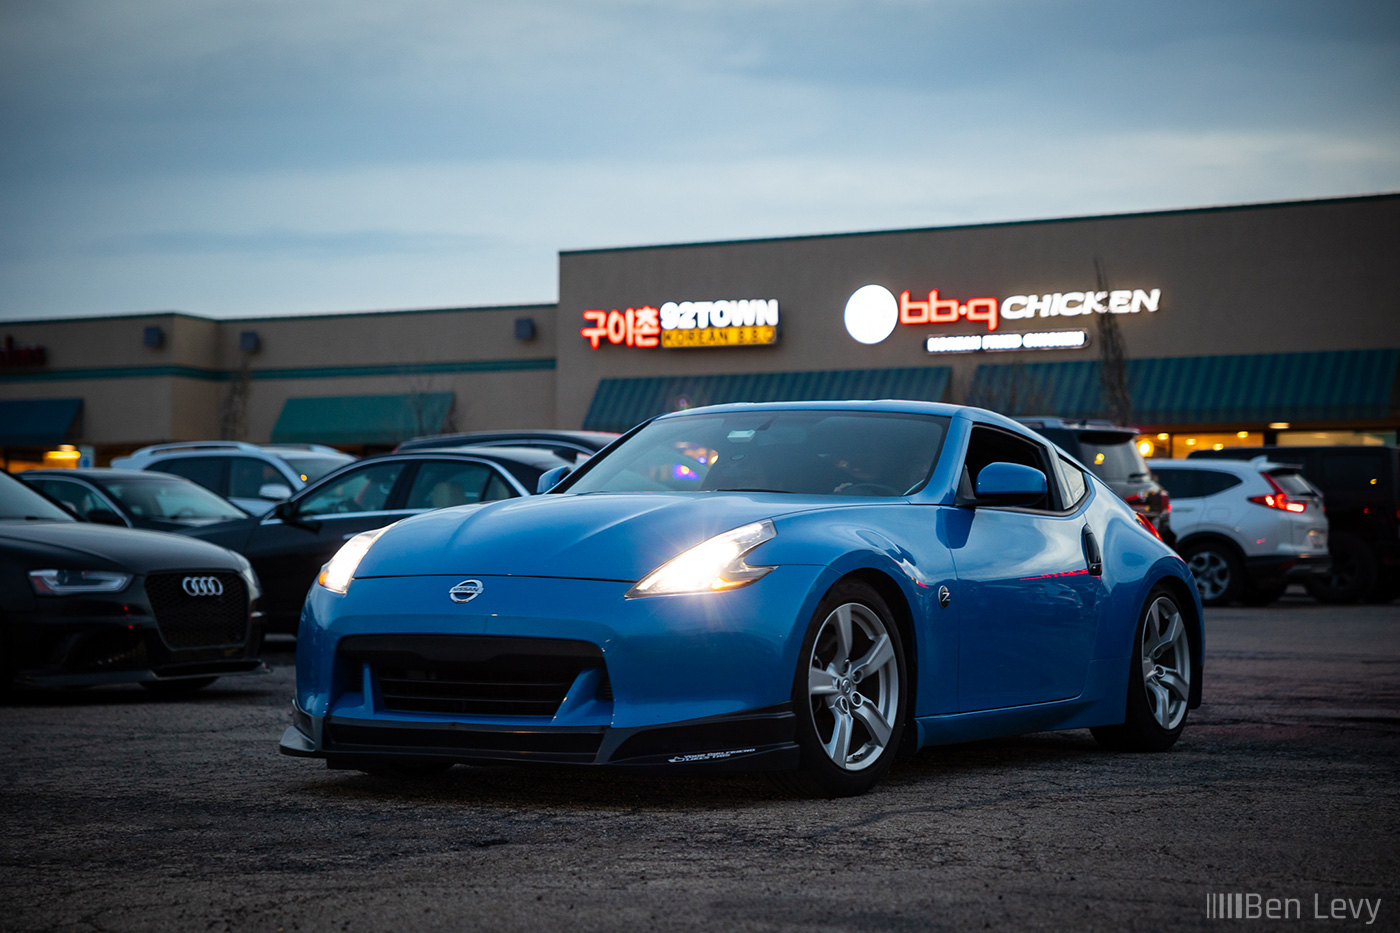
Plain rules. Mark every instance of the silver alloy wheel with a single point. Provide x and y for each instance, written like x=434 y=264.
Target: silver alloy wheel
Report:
x=1166 y=663
x=1212 y=573
x=853 y=686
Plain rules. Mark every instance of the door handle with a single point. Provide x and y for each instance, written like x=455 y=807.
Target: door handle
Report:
x=1092 y=554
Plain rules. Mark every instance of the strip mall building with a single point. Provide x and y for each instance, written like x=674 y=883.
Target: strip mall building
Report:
x=1272 y=323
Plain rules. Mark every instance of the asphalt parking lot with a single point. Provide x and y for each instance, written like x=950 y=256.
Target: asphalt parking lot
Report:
x=123 y=811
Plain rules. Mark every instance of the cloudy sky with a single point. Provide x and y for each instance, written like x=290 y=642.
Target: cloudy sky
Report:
x=247 y=157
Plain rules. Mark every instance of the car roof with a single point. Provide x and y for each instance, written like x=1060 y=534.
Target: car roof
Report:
x=100 y=473
x=593 y=440
x=888 y=406
x=1255 y=465
x=529 y=456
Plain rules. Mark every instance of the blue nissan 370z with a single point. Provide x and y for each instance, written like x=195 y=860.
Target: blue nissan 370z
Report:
x=802 y=588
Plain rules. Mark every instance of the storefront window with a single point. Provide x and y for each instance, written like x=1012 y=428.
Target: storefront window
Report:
x=1335 y=438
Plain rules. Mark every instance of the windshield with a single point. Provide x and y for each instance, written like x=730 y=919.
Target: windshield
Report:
x=18 y=501
x=809 y=452
x=171 y=498
x=311 y=469
x=1116 y=462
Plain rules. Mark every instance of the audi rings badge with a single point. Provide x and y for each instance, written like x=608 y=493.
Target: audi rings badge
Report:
x=202 y=586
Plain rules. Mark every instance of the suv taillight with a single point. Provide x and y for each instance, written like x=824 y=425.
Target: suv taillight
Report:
x=1278 y=499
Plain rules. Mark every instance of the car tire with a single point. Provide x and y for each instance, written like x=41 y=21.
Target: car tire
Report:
x=1263 y=595
x=1159 y=680
x=1353 y=572
x=849 y=695
x=1217 y=570
x=178 y=688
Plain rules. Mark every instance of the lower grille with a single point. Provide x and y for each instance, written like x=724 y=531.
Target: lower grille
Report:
x=187 y=621
x=552 y=746
x=473 y=675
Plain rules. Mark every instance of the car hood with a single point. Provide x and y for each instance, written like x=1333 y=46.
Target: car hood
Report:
x=598 y=536
x=78 y=544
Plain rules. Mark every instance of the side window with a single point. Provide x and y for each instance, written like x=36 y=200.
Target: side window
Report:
x=1180 y=484
x=1213 y=481
x=364 y=490
x=1075 y=485
x=82 y=499
x=990 y=445
x=497 y=489
x=208 y=472
x=247 y=475
x=444 y=483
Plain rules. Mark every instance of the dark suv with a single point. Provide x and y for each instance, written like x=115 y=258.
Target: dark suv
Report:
x=1361 y=491
x=1110 y=452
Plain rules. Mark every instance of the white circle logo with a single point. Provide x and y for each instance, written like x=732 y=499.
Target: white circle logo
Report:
x=871 y=313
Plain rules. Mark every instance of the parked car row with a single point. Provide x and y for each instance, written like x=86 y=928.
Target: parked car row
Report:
x=1361 y=488
x=1247 y=525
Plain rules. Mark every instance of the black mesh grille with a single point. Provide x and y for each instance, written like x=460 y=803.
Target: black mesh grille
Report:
x=468 y=691
x=187 y=621
x=473 y=675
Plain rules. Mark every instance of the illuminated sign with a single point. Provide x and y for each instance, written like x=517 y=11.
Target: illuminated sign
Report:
x=740 y=323
x=12 y=356
x=971 y=343
x=872 y=314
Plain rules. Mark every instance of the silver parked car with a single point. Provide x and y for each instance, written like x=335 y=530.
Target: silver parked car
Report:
x=252 y=477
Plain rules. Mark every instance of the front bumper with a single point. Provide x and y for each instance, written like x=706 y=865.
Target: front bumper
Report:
x=552 y=670
x=71 y=642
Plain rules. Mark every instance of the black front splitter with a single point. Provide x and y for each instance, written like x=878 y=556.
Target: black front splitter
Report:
x=753 y=740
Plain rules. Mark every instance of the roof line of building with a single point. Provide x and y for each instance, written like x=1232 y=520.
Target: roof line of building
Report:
x=213 y=374
x=1264 y=205
x=534 y=306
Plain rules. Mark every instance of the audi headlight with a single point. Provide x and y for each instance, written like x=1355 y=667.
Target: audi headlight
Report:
x=73 y=582
x=716 y=564
x=340 y=569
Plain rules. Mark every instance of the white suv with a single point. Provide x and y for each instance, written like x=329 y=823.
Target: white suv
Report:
x=1246 y=528
x=253 y=478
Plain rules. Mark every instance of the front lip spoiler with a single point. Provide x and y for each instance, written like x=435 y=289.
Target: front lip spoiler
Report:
x=752 y=740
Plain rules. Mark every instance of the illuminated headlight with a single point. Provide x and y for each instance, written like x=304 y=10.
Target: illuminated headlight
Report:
x=340 y=569
x=716 y=564
x=72 y=582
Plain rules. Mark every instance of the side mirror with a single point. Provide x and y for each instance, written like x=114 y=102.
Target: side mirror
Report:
x=550 y=479
x=1008 y=484
x=277 y=491
x=104 y=517
x=285 y=511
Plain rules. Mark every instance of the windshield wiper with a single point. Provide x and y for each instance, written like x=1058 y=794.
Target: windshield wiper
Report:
x=747 y=489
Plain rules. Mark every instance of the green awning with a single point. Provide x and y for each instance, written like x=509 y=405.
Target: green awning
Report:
x=38 y=422
x=361 y=419
x=619 y=404
x=1338 y=385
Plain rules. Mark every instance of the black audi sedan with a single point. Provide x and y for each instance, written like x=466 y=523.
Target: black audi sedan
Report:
x=133 y=498
x=84 y=604
x=289 y=544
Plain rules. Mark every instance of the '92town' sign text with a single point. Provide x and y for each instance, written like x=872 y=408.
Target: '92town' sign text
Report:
x=740 y=323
